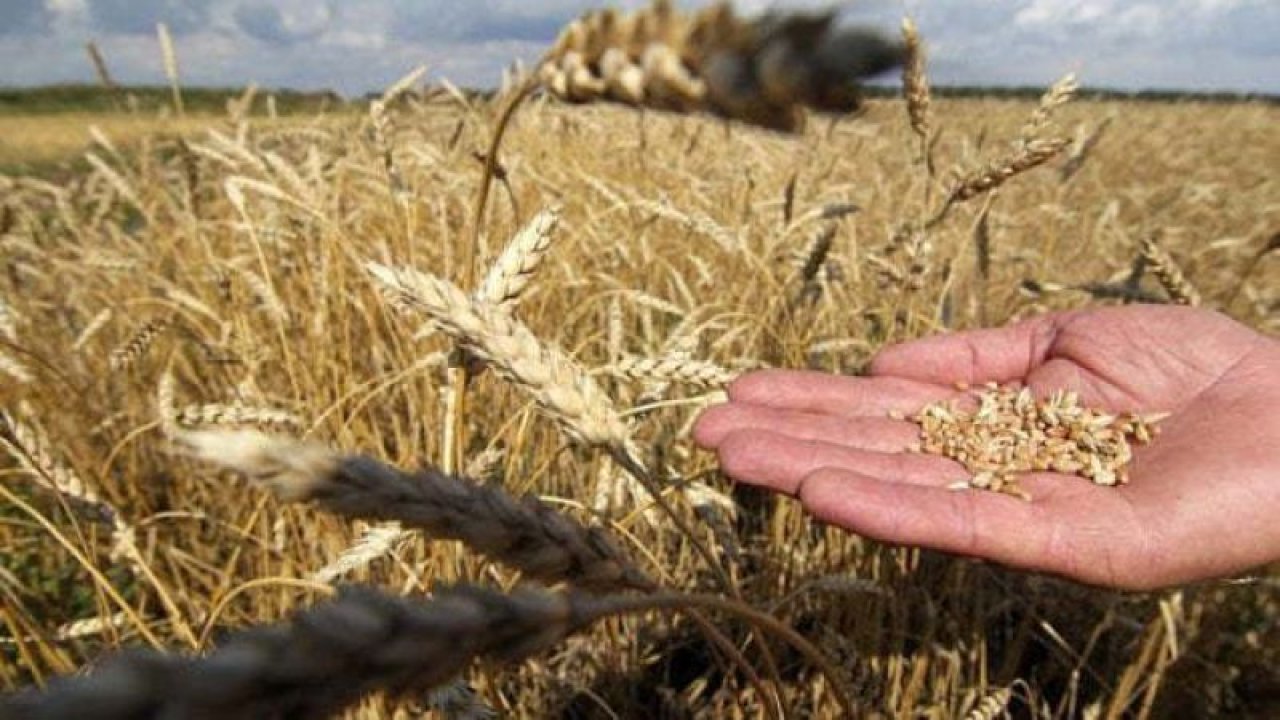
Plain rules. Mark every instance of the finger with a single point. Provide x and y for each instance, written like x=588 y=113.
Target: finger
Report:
x=1079 y=538
x=994 y=354
x=818 y=392
x=864 y=433
x=760 y=457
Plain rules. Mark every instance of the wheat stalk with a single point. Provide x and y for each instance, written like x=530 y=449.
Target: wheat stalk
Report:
x=522 y=533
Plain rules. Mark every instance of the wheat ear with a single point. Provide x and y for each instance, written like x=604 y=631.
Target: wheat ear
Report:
x=1167 y=271
x=321 y=661
x=382 y=539
x=915 y=82
x=512 y=271
x=558 y=384
x=672 y=368
x=525 y=533
x=170 y=66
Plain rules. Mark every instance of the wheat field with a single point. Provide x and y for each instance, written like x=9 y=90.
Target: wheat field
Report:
x=284 y=276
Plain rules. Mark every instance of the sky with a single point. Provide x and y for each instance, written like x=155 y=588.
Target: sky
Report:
x=355 y=46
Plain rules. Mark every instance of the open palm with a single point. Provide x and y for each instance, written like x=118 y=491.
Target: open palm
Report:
x=1203 y=497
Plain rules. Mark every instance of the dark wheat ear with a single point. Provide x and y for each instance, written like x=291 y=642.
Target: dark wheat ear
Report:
x=320 y=662
x=522 y=533
x=762 y=70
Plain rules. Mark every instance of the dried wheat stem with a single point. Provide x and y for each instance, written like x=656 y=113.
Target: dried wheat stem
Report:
x=521 y=533
x=1167 y=271
x=9 y=319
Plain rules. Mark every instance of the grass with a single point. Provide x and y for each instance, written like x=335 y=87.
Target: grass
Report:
x=231 y=269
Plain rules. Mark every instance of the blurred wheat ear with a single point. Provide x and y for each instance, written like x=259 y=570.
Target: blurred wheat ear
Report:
x=763 y=71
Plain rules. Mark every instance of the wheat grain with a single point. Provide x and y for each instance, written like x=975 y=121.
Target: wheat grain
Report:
x=1010 y=432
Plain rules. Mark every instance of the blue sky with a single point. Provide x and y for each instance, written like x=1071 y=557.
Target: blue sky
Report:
x=358 y=45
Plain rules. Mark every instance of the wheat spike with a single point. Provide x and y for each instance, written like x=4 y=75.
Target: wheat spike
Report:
x=994 y=704
x=915 y=82
x=381 y=539
x=29 y=447
x=322 y=660
x=1167 y=271
x=170 y=57
x=672 y=368
x=14 y=369
x=514 y=268
x=1058 y=94
x=1026 y=157
x=558 y=384
x=214 y=414
x=127 y=355
x=522 y=533
x=8 y=322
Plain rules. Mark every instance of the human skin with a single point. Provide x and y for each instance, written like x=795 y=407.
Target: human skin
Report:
x=1203 y=499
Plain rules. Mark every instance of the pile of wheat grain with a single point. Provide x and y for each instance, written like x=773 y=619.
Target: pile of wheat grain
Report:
x=1010 y=432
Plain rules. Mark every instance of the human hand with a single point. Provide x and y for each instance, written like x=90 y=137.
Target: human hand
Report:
x=1203 y=499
